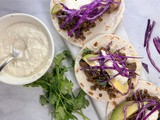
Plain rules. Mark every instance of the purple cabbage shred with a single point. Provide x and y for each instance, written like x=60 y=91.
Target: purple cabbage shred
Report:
x=145 y=67
x=156 y=42
x=146 y=43
x=141 y=114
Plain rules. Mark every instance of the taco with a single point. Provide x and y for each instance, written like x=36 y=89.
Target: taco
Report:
x=107 y=67
x=79 y=21
x=143 y=103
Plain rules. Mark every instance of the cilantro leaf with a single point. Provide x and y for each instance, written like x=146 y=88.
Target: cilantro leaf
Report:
x=58 y=91
x=86 y=51
x=62 y=56
x=60 y=113
x=43 y=100
x=80 y=101
x=66 y=86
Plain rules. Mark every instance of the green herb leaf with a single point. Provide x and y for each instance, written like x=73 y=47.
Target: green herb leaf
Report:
x=60 y=57
x=60 y=113
x=52 y=98
x=86 y=51
x=58 y=91
x=81 y=101
x=66 y=86
x=43 y=100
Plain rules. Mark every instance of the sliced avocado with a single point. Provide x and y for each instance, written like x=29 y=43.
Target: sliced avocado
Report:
x=118 y=113
x=56 y=8
x=91 y=63
x=123 y=88
x=120 y=87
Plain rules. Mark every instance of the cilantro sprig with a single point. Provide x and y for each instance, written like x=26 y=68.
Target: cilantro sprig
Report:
x=58 y=92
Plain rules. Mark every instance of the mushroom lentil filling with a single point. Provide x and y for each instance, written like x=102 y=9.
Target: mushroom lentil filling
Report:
x=85 y=26
x=143 y=95
x=95 y=76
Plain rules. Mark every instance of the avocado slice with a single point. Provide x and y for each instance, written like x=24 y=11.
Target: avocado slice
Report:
x=118 y=112
x=91 y=63
x=123 y=88
x=56 y=8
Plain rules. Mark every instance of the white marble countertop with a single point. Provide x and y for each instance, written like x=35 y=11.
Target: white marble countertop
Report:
x=17 y=102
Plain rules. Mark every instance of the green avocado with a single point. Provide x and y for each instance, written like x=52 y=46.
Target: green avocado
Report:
x=91 y=63
x=118 y=112
x=120 y=87
x=123 y=88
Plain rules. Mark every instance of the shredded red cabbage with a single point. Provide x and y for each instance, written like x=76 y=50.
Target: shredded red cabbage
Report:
x=145 y=67
x=141 y=114
x=88 y=12
x=156 y=42
x=122 y=70
x=156 y=108
x=144 y=108
x=147 y=38
x=148 y=32
x=109 y=57
x=125 y=110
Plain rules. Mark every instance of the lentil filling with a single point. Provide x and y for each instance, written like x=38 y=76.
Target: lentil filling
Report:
x=95 y=76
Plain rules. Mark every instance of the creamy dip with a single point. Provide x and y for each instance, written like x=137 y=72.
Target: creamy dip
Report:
x=32 y=44
x=76 y=4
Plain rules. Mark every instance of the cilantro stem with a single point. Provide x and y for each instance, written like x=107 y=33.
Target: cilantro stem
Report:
x=57 y=72
x=73 y=94
x=81 y=114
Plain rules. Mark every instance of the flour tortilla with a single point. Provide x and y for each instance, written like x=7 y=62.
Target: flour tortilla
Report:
x=152 y=89
x=103 y=41
x=108 y=25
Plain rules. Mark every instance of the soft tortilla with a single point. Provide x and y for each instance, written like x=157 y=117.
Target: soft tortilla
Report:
x=95 y=45
x=152 y=89
x=108 y=25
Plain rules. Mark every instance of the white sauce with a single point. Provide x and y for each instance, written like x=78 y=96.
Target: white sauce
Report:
x=31 y=42
x=112 y=73
x=76 y=4
x=153 y=116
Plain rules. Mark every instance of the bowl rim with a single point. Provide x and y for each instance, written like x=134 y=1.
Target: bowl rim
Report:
x=51 y=56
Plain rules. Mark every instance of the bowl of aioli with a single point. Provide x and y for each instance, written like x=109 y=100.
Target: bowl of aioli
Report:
x=32 y=39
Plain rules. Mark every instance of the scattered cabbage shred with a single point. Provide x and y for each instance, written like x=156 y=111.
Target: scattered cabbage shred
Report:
x=156 y=41
x=145 y=67
x=147 y=40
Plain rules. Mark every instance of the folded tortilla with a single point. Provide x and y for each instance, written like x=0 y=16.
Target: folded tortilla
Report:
x=95 y=45
x=108 y=25
x=152 y=90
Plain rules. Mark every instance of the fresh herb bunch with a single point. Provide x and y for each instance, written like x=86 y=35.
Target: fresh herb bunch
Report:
x=58 y=92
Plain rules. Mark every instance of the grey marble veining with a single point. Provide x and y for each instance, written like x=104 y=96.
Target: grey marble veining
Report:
x=19 y=103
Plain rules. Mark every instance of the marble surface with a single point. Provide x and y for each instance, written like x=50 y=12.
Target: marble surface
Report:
x=17 y=102
x=135 y=22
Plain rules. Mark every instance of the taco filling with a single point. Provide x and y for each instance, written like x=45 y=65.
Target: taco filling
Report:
x=139 y=106
x=109 y=70
x=78 y=21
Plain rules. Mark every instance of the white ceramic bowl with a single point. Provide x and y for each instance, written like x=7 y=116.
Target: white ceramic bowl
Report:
x=10 y=19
